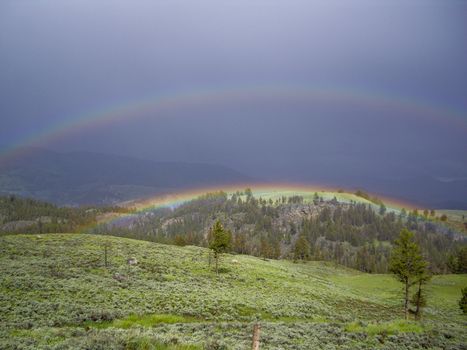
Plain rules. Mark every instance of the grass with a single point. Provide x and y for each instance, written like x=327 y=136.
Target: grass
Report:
x=443 y=290
x=147 y=343
x=454 y=215
x=394 y=327
x=308 y=195
x=148 y=320
x=456 y=218
x=56 y=291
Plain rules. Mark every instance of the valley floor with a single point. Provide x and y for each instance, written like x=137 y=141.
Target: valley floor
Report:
x=57 y=293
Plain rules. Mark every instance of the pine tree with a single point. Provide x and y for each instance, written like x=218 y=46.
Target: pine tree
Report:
x=219 y=241
x=407 y=264
x=179 y=240
x=419 y=297
x=463 y=301
x=301 y=249
x=382 y=209
x=462 y=260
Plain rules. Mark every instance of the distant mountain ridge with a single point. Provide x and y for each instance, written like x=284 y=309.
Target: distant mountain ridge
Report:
x=75 y=178
x=93 y=178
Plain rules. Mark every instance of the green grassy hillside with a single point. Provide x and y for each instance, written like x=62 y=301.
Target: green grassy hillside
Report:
x=56 y=293
x=308 y=195
x=456 y=219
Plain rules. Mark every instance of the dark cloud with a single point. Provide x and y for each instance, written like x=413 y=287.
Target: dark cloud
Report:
x=62 y=59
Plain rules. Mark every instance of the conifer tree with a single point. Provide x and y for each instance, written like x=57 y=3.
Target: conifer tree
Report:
x=463 y=301
x=219 y=241
x=407 y=264
x=419 y=297
x=301 y=249
x=382 y=209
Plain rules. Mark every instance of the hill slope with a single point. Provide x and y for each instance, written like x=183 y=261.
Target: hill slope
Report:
x=93 y=178
x=57 y=293
x=337 y=226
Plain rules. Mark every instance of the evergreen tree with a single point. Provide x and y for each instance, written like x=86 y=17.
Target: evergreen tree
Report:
x=463 y=301
x=419 y=297
x=382 y=209
x=457 y=263
x=462 y=260
x=240 y=243
x=219 y=241
x=407 y=264
x=301 y=249
x=315 y=199
x=453 y=263
x=403 y=213
x=179 y=240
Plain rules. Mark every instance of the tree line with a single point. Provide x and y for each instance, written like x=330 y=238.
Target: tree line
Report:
x=407 y=264
x=26 y=215
x=356 y=235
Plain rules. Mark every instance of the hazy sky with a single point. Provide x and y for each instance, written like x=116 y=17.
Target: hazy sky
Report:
x=60 y=60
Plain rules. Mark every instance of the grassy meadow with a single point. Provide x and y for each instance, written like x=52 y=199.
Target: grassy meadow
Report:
x=57 y=293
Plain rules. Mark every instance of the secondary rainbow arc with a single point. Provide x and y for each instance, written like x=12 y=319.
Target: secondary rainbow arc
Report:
x=154 y=105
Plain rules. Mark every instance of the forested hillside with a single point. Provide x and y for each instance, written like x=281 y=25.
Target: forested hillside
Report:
x=26 y=215
x=357 y=235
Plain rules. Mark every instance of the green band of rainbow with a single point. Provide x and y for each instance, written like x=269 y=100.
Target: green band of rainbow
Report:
x=175 y=199
x=154 y=106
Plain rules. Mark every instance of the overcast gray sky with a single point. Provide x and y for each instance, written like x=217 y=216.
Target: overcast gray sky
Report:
x=60 y=60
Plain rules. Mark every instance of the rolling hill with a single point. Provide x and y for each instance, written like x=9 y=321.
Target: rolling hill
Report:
x=57 y=293
x=264 y=222
x=268 y=222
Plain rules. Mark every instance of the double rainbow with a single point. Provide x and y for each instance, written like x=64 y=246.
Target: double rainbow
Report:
x=155 y=106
